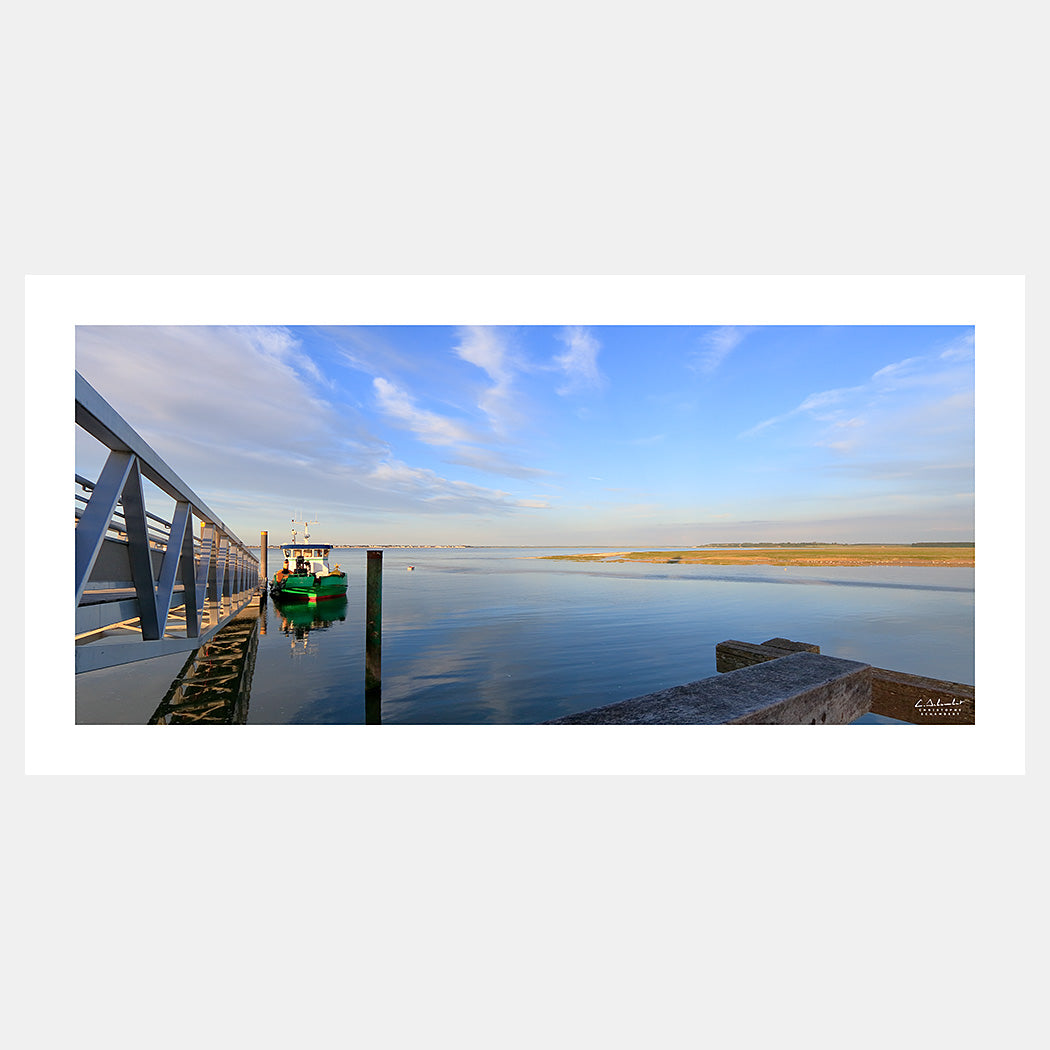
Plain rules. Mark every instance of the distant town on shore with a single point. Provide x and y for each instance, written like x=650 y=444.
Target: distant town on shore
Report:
x=375 y=546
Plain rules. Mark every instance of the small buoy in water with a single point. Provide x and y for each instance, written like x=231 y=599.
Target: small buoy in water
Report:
x=411 y=567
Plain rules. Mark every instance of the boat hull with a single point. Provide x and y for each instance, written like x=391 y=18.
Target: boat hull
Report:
x=309 y=588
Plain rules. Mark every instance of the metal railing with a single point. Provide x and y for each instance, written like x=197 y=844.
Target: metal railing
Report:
x=146 y=586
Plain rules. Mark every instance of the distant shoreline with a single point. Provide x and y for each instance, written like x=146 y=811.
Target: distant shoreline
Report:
x=834 y=554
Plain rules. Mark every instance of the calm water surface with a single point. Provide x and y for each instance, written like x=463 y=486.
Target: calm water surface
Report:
x=497 y=635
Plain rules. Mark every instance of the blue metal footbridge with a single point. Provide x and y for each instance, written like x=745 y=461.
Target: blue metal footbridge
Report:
x=148 y=585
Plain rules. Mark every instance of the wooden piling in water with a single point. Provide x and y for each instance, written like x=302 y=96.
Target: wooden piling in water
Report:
x=374 y=638
x=264 y=578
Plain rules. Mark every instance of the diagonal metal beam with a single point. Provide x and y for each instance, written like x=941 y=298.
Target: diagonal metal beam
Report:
x=139 y=554
x=94 y=522
x=172 y=558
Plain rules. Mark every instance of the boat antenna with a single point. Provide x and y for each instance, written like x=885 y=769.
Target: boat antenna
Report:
x=306 y=530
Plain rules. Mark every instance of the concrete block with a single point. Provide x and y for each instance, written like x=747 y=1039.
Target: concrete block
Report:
x=801 y=688
x=732 y=655
x=790 y=646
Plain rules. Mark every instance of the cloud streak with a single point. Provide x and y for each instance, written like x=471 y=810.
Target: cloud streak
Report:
x=486 y=349
x=894 y=386
x=579 y=362
x=428 y=426
x=465 y=446
x=822 y=405
x=430 y=491
x=716 y=346
x=905 y=433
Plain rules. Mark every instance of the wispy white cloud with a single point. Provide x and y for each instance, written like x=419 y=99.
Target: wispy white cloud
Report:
x=911 y=423
x=430 y=427
x=579 y=362
x=366 y=350
x=210 y=392
x=492 y=350
x=825 y=398
x=961 y=349
x=429 y=490
x=493 y=461
x=909 y=366
x=487 y=349
x=483 y=347
x=716 y=346
x=821 y=405
x=841 y=435
x=468 y=446
x=920 y=376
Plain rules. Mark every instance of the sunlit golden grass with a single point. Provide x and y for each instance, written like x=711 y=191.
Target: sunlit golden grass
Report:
x=833 y=554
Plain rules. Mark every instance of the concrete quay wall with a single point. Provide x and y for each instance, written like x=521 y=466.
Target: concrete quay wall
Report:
x=799 y=687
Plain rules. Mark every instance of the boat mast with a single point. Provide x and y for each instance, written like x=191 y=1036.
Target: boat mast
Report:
x=306 y=532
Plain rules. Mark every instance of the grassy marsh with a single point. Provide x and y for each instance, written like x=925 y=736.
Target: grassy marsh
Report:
x=830 y=554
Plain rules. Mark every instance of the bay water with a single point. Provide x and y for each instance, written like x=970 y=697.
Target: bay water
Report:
x=503 y=636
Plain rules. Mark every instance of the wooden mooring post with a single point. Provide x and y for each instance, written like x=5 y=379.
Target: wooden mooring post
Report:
x=374 y=638
x=264 y=579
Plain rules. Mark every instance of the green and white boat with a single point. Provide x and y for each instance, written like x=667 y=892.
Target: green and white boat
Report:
x=306 y=575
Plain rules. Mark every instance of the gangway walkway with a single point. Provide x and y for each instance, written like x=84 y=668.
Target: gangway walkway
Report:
x=147 y=586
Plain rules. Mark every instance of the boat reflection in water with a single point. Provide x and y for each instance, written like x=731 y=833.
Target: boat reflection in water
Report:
x=298 y=619
x=214 y=684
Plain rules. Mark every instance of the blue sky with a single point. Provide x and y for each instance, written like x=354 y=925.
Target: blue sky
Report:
x=574 y=435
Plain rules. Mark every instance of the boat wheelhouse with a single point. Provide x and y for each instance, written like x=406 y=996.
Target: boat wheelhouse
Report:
x=312 y=558
x=306 y=574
